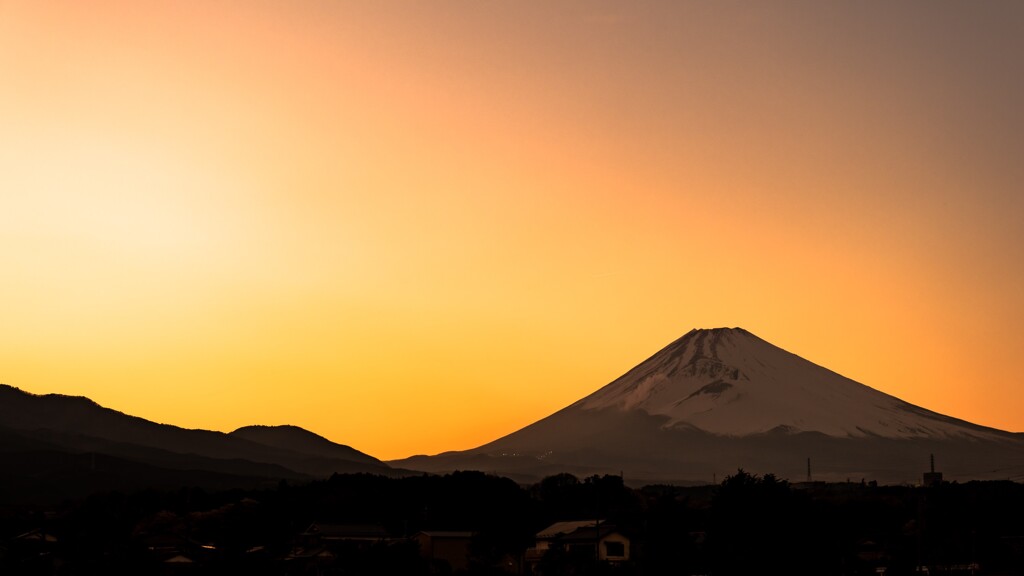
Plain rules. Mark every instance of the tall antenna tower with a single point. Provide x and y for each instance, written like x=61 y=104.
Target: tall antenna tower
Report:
x=932 y=478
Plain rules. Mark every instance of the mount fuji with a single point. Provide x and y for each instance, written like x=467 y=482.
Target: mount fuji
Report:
x=721 y=399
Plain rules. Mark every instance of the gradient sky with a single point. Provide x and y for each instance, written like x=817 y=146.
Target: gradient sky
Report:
x=418 y=226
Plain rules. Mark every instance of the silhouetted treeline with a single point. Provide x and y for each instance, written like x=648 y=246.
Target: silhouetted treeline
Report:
x=746 y=525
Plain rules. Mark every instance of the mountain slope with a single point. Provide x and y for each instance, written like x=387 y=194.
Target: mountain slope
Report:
x=721 y=399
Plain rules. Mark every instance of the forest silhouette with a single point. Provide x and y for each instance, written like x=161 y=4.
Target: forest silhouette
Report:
x=748 y=524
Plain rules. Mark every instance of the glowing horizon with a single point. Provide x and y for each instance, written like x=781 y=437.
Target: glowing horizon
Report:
x=414 y=228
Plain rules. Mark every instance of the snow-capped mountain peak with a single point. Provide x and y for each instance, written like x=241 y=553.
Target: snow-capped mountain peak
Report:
x=728 y=381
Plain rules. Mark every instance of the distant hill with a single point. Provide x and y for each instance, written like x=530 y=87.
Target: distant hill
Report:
x=302 y=441
x=38 y=432
x=721 y=399
x=78 y=443
x=48 y=477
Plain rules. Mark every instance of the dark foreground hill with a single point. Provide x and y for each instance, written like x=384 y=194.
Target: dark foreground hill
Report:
x=66 y=445
x=303 y=441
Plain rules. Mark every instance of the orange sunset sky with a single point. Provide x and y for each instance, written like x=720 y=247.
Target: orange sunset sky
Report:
x=418 y=226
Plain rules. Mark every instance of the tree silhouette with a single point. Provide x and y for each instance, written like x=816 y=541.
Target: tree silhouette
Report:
x=759 y=525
